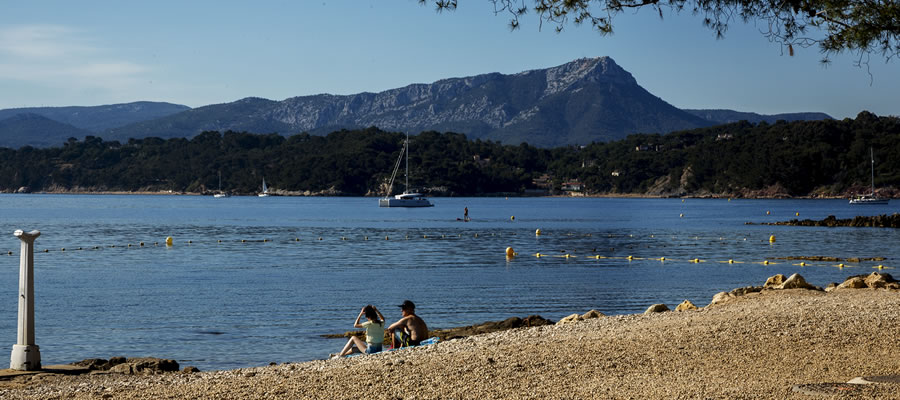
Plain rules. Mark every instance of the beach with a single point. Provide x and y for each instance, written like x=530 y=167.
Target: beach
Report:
x=755 y=346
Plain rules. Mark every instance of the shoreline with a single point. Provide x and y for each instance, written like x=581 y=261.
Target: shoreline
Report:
x=488 y=195
x=756 y=345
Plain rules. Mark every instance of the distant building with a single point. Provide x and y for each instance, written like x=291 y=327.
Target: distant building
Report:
x=573 y=186
x=615 y=173
x=724 y=136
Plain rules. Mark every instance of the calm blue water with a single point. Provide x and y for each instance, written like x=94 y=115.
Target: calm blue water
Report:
x=231 y=304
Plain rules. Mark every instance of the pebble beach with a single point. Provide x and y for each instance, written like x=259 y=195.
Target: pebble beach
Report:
x=757 y=346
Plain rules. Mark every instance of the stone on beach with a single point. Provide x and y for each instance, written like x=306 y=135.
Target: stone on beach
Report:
x=570 y=319
x=656 y=308
x=685 y=306
x=592 y=314
x=875 y=280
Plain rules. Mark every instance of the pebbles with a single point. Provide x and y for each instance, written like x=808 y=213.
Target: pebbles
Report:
x=757 y=346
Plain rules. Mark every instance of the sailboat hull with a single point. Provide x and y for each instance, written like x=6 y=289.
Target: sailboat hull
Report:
x=404 y=200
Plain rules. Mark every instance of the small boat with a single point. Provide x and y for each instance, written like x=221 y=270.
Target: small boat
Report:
x=404 y=199
x=220 y=194
x=870 y=198
x=265 y=189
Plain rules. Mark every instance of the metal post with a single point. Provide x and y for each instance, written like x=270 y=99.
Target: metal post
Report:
x=26 y=355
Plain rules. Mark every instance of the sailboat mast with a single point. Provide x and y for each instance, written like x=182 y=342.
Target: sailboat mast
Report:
x=872 y=155
x=407 y=165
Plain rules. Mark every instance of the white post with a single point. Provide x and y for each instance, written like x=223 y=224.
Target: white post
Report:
x=25 y=354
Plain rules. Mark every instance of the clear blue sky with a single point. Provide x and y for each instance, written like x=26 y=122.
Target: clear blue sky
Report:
x=60 y=53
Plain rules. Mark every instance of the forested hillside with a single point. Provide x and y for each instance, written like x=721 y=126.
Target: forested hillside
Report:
x=813 y=158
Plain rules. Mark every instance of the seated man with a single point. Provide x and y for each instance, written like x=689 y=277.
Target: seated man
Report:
x=409 y=330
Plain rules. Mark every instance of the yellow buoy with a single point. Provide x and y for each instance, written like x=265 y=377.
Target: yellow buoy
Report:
x=840 y=265
x=662 y=259
x=802 y=264
x=169 y=241
x=879 y=265
x=797 y=214
x=765 y=262
x=537 y=232
x=510 y=253
x=629 y=258
x=538 y=255
x=387 y=238
x=772 y=239
x=142 y=244
x=731 y=261
x=680 y=215
x=512 y=218
x=767 y=213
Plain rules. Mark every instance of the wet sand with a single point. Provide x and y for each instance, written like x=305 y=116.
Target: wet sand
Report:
x=756 y=346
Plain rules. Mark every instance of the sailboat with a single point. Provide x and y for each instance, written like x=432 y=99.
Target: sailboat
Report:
x=265 y=191
x=870 y=198
x=404 y=199
x=220 y=193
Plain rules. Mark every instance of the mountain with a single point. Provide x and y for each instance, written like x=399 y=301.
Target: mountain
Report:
x=36 y=131
x=579 y=102
x=101 y=118
x=729 y=116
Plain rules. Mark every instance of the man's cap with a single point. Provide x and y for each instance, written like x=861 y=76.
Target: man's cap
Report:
x=408 y=305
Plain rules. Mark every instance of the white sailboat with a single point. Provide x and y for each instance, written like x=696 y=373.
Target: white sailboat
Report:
x=220 y=193
x=404 y=199
x=265 y=189
x=870 y=198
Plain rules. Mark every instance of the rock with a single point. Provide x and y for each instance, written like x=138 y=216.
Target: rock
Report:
x=145 y=366
x=570 y=319
x=796 y=281
x=831 y=286
x=720 y=297
x=685 y=306
x=745 y=290
x=23 y=189
x=190 y=370
x=853 y=282
x=774 y=282
x=656 y=308
x=94 y=364
x=877 y=280
x=592 y=314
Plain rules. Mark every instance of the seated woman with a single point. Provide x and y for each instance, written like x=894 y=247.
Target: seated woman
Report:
x=374 y=333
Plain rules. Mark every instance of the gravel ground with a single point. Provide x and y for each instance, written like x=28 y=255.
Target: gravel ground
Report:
x=756 y=346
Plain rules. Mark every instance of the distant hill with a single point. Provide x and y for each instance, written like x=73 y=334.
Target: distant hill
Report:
x=583 y=101
x=36 y=131
x=101 y=118
x=729 y=116
x=579 y=102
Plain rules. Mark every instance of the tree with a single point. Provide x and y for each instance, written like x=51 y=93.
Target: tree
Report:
x=856 y=26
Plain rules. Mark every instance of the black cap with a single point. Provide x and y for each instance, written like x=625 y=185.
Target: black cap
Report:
x=408 y=305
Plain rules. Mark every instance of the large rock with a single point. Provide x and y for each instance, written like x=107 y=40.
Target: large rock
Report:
x=720 y=297
x=877 y=280
x=685 y=306
x=774 y=282
x=656 y=308
x=853 y=282
x=796 y=281
x=570 y=319
x=592 y=314
x=146 y=366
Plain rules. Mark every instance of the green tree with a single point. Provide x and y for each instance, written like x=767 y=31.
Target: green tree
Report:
x=835 y=26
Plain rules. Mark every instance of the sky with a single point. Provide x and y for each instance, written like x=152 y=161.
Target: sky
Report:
x=85 y=53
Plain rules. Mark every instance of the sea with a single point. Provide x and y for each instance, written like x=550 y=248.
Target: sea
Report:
x=250 y=281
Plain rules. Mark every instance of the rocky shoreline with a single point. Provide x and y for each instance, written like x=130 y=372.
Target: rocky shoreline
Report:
x=877 y=221
x=784 y=339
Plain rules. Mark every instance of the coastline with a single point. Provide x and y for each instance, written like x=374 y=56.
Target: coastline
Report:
x=758 y=345
x=327 y=193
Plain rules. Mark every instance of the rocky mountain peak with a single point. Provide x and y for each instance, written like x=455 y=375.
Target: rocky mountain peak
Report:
x=602 y=70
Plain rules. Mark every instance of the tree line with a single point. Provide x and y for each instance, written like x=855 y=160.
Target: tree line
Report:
x=826 y=157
